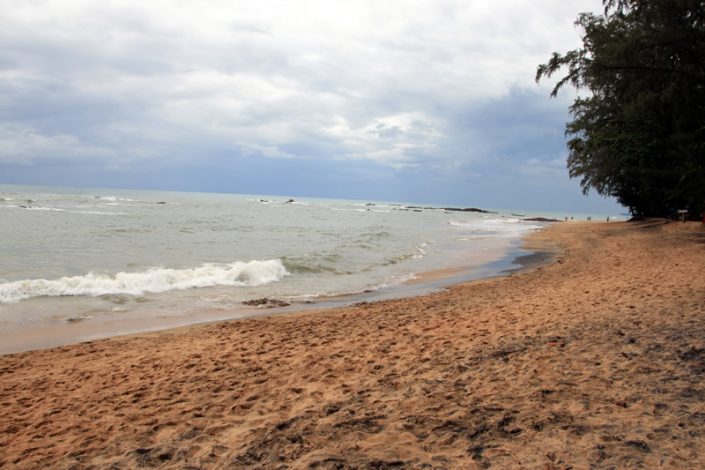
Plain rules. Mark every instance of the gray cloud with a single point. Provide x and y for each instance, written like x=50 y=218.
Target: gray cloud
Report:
x=401 y=86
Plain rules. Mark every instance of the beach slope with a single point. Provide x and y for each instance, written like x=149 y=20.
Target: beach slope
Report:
x=595 y=361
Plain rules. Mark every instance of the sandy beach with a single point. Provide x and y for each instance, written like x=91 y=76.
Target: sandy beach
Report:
x=594 y=361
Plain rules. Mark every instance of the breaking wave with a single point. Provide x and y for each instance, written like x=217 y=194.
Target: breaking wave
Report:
x=153 y=280
x=496 y=227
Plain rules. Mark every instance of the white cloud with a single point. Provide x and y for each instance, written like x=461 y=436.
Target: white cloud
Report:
x=21 y=145
x=369 y=80
x=399 y=140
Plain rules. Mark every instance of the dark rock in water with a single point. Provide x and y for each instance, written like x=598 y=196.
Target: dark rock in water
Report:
x=468 y=209
x=452 y=209
x=541 y=219
x=160 y=202
x=265 y=302
x=290 y=201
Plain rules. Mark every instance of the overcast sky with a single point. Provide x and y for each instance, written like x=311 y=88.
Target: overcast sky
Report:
x=419 y=101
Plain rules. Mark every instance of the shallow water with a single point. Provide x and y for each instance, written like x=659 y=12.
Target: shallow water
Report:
x=72 y=255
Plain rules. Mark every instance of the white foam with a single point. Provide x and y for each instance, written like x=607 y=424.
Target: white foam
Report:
x=97 y=213
x=421 y=251
x=338 y=209
x=114 y=199
x=153 y=280
x=56 y=209
x=394 y=281
x=47 y=209
x=497 y=226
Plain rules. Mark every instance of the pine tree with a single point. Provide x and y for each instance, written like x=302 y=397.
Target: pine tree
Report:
x=639 y=135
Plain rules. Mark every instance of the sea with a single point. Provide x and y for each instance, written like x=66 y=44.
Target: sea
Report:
x=79 y=264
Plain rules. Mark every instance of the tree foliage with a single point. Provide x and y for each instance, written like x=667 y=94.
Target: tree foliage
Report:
x=639 y=135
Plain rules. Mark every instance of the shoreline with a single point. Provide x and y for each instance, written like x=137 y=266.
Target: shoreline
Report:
x=593 y=361
x=34 y=336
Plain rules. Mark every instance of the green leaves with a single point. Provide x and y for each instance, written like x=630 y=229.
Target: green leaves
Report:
x=640 y=136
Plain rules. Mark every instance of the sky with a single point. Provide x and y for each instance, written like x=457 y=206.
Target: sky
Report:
x=416 y=101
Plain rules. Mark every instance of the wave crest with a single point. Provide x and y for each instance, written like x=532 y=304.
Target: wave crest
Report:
x=505 y=227
x=154 y=280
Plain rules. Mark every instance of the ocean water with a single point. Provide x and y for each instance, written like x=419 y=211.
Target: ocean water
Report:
x=73 y=255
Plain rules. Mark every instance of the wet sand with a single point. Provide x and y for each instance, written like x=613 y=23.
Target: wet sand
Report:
x=49 y=332
x=595 y=361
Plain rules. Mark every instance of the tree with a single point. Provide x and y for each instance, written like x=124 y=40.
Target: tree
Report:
x=640 y=134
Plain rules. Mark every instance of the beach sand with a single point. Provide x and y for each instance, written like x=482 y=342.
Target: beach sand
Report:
x=595 y=361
